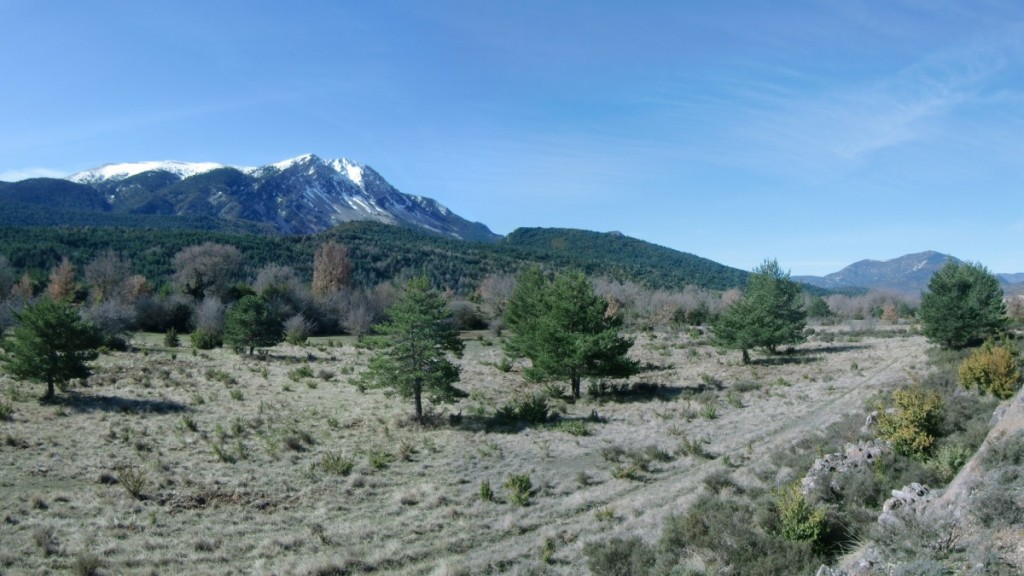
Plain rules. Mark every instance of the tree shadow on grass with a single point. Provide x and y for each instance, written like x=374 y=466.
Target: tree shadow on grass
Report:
x=786 y=360
x=103 y=403
x=628 y=392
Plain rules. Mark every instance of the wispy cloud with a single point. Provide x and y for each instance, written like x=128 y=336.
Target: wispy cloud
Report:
x=817 y=131
x=17 y=174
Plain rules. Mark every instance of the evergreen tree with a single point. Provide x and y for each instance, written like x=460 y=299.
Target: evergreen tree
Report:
x=51 y=344
x=769 y=314
x=412 y=348
x=250 y=323
x=565 y=330
x=963 y=306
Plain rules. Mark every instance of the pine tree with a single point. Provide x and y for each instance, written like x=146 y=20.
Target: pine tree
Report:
x=769 y=314
x=250 y=324
x=412 y=348
x=566 y=330
x=963 y=306
x=50 y=344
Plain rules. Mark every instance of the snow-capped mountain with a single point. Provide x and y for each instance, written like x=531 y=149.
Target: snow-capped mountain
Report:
x=302 y=195
x=127 y=170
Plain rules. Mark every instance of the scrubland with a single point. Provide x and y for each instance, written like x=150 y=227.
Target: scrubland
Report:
x=209 y=462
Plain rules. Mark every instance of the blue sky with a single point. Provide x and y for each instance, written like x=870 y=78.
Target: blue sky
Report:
x=817 y=133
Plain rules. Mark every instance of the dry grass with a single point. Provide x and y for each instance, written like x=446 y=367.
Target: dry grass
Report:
x=244 y=470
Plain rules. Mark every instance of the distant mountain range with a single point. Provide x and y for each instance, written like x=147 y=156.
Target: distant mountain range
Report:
x=303 y=195
x=907 y=274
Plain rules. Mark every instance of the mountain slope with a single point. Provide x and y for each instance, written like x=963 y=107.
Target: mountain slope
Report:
x=908 y=274
x=303 y=195
x=619 y=256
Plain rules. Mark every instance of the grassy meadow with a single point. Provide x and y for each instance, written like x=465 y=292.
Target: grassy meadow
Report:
x=208 y=462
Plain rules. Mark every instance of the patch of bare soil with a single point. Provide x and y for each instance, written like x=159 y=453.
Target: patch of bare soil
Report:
x=281 y=466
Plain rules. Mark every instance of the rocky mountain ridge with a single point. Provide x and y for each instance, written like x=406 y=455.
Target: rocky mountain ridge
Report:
x=302 y=195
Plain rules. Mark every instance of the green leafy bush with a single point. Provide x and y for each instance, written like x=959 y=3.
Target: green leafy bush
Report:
x=486 y=494
x=171 y=339
x=520 y=488
x=334 y=463
x=532 y=410
x=799 y=520
x=204 y=339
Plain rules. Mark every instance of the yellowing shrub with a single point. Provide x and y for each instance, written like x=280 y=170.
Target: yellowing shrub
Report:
x=993 y=368
x=910 y=420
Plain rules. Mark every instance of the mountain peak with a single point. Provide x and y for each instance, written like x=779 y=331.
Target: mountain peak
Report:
x=909 y=273
x=301 y=195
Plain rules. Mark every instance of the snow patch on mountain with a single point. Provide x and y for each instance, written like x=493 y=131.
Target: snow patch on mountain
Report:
x=129 y=169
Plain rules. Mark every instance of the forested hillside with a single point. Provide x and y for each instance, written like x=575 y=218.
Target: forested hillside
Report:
x=378 y=253
x=621 y=257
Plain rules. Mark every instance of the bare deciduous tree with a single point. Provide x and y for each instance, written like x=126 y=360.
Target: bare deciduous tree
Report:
x=24 y=289
x=105 y=275
x=206 y=269
x=135 y=287
x=209 y=315
x=62 y=281
x=495 y=291
x=332 y=268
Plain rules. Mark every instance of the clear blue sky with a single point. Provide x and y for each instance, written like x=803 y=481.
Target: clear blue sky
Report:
x=817 y=133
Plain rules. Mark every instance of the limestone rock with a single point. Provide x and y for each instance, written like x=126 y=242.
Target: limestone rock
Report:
x=828 y=471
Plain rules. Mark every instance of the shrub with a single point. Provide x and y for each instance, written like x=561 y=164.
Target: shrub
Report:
x=949 y=459
x=486 y=494
x=301 y=372
x=574 y=427
x=912 y=421
x=132 y=478
x=333 y=463
x=205 y=339
x=993 y=368
x=519 y=488
x=6 y=409
x=619 y=557
x=731 y=536
x=86 y=564
x=171 y=339
x=799 y=519
x=297 y=329
x=533 y=410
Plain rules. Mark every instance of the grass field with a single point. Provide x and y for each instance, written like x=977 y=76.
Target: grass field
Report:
x=171 y=460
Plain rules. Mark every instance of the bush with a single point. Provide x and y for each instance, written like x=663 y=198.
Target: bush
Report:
x=912 y=420
x=619 y=557
x=993 y=368
x=205 y=339
x=486 y=494
x=132 y=478
x=519 y=488
x=533 y=410
x=732 y=537
x=466 y=316
x=333 y=463
x=171 y=339
x=799 y=519
x=297 y=329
